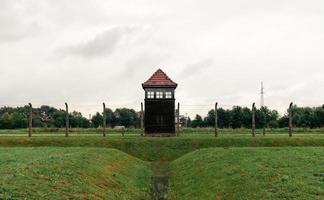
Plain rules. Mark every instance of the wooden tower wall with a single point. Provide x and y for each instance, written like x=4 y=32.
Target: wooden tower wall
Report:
x=159 y=116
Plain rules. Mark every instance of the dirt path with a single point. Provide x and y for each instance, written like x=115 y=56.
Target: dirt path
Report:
x=160 y=180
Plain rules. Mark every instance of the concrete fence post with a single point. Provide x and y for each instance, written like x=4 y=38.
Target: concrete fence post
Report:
x=104 y=120
x=178 y=120
x=290 y=119
x=216 y=120
x=30 y=123
x=142 y=119
x=66 y=120
x=253 y=119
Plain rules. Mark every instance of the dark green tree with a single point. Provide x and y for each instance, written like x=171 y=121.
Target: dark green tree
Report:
x=197 y=122
x=236 y=117
x=96 y=120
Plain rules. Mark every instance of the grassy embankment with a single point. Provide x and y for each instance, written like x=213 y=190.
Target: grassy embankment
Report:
x=249 y=173
x=240 y=167
x=72 y=173
x=206 y=174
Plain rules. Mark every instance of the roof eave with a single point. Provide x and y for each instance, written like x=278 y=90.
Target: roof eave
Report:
x=159 y=86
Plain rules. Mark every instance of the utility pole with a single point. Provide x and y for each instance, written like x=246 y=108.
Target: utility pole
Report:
x=30 y=120
x=104 y=120
x=216 y=120
x=262 y=105
x=66 y=120
x=262 y=95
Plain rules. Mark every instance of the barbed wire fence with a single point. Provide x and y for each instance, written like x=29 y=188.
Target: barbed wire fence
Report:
x=185 y=110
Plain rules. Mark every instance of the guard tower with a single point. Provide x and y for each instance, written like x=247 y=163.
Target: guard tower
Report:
x=159 y=116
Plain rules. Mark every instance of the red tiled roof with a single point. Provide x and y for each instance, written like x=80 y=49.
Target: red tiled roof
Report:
x=159 y=79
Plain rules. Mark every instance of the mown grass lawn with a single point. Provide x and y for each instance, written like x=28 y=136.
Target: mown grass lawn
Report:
x=72 y=173
x=170 y=148
x=249 y=173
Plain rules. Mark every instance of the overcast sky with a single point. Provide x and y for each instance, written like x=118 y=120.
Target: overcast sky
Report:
x=86 y=52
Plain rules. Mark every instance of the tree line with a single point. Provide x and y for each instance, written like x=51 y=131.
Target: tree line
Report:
x=236 y=117
x=241 y=117
x=50 y=117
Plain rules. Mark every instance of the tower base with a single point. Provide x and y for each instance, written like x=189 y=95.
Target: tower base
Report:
x=160 y=134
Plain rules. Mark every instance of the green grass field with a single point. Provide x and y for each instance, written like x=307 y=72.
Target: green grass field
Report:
x=234 y=165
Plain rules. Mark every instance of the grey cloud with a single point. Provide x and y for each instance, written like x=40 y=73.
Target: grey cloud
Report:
x=102 y=45
x=196 y=68
x=215 y=50
x=146 y=62
x=15 y=33
x=14 y=25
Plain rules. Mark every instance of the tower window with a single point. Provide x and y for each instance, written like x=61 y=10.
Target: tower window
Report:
x=150 y=95
x=168 y=95
x=159 y=95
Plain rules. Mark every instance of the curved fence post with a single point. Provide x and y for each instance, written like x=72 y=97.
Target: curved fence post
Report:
x=216 y=120
x=178 y=120
x=253 y=119
x=290 y=119
x=104 y=120
x=66 y=120
x=142 y=119
x=30 y=124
